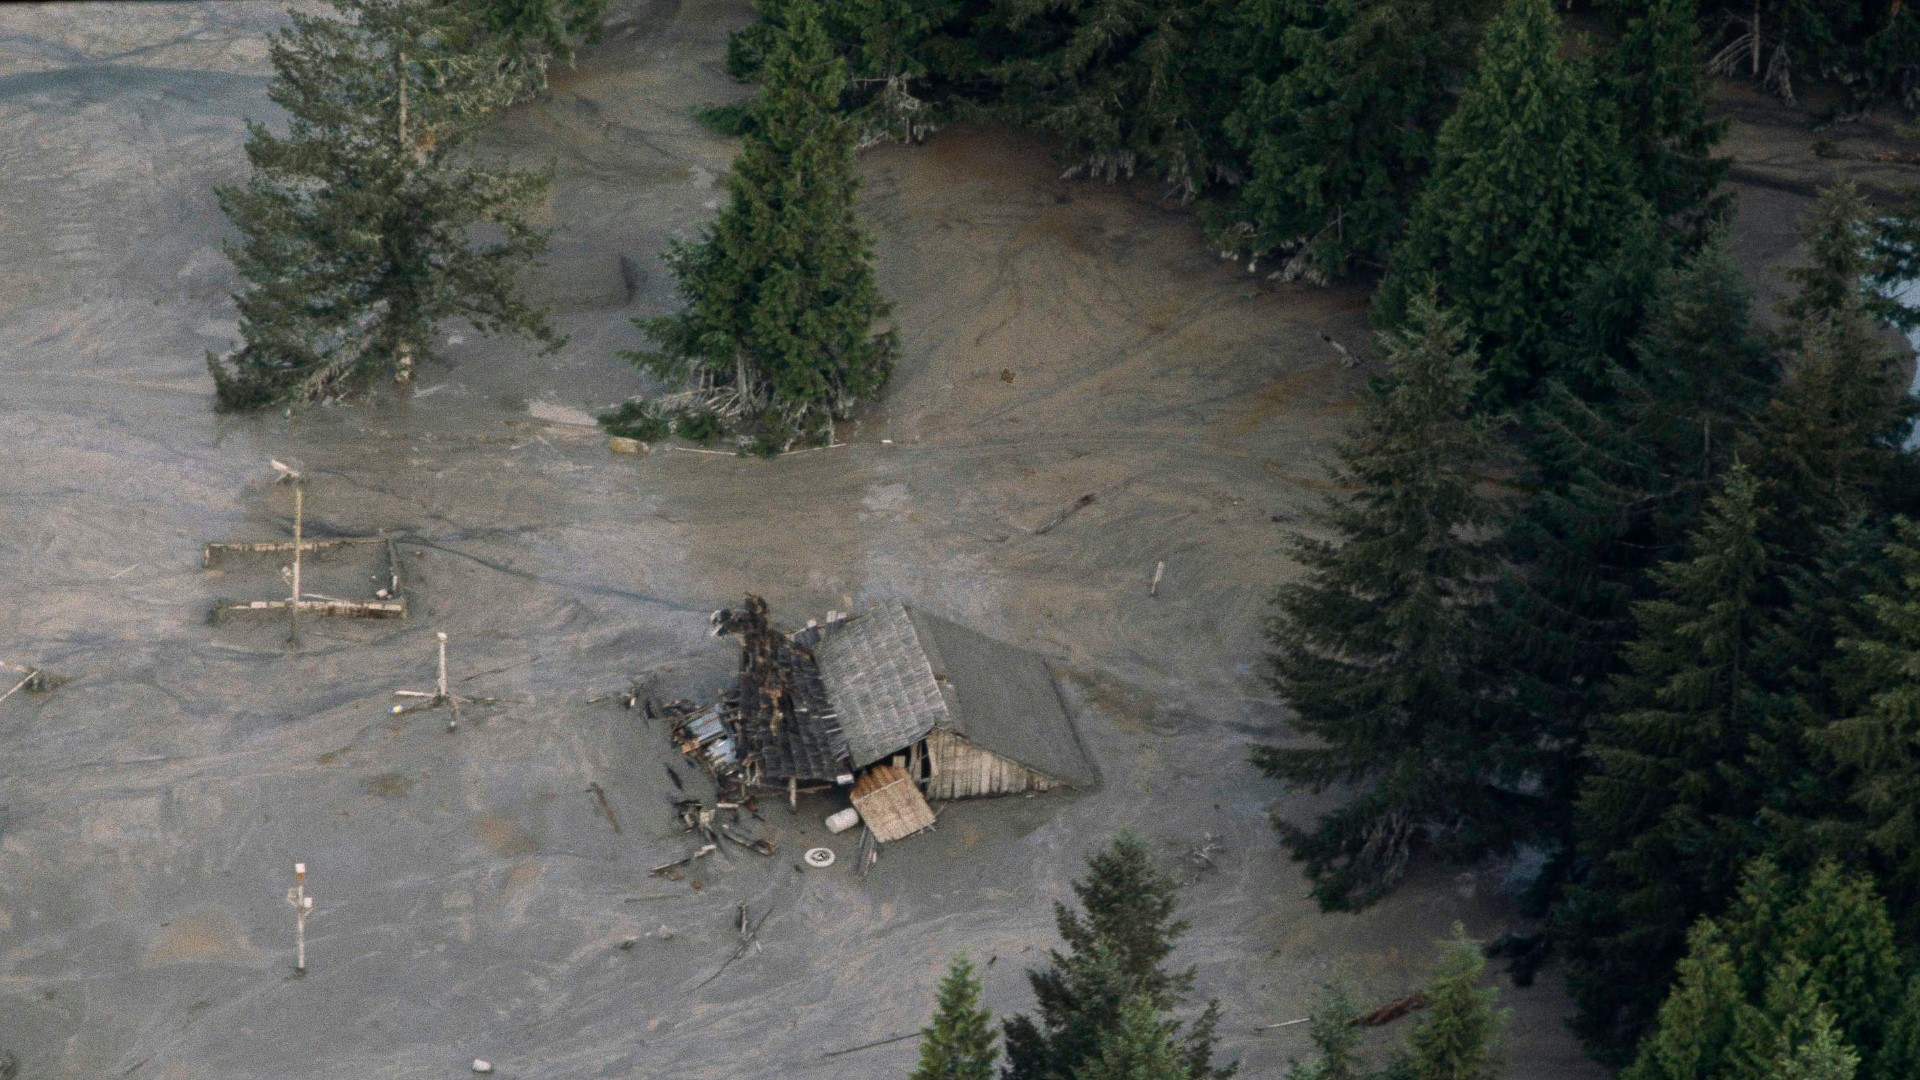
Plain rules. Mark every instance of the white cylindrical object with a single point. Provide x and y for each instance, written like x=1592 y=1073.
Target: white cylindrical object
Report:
x=844 y=820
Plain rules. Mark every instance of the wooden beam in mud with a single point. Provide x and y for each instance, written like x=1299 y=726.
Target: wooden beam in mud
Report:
x=228 y=547
x=348 y=609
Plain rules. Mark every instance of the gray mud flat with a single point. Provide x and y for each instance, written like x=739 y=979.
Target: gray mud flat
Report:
x=1059 y=339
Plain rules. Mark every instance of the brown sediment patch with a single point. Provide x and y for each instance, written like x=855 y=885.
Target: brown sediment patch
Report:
x=504 y=837
x=388 y=785
x=201 y=937
x=1320 y=389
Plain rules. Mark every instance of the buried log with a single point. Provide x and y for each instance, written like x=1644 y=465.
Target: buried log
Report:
x=889 y=1041
x=606 y=809
x=1391 y=1011
x=1053 y=522
x=667 y=868
x=260 y=547
x=349 y=609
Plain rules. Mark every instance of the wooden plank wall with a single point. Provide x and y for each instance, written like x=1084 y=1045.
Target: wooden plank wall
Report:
x=962 y=770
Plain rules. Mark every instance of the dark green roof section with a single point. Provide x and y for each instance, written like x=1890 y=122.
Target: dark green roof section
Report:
x=1003 y=699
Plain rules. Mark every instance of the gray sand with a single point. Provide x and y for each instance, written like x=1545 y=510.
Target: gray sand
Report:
x=470 y=897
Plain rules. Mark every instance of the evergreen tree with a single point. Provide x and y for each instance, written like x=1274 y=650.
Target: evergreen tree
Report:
x=1655 y=75
x=1332 y=1028
x=1899 y=1057
x=1458 y=1035
x=1376 y=646
x=537 y=32
x=1896 y=274
x=1140 y=1046
x=1850 y=256
x=1695 y=1028
x=1823 y=1055
x=1877 y=746
x=1124 y=85
x=891 y=47
x=354 y=230
x=959 y=1043
x=1839 y=928
x=1341 y=134
x=1615 y=486
x=1790 y=1016
x=1530 y=224
x=778 y=325
x=1663 y=818
x=1830 y=442
x=1800 y=968
x=1116 y=948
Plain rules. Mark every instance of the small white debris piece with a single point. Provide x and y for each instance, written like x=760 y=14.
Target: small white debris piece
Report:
x=482 y=1065
x=819 y=858
x=842 y=821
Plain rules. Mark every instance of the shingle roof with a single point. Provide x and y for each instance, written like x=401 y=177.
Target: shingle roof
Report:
x=893 y=675
x=1003 y=699
x=880 y=682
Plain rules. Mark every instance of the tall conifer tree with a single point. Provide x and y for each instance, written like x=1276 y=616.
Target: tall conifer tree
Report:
x=1877 y=745
x=1530 y=223
x=1615 y=487
x=1655 y=75
x=1376 y=647
x=1663 y=817
x=354 y=228
x=1124 y=85
x=780 y=298
x=1338 y=133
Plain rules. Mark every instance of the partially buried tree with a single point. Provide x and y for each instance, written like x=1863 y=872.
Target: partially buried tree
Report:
x=958 y=1045
x=778 y=325
x=357 y=230
x=1114 y=962
x=1377 y=646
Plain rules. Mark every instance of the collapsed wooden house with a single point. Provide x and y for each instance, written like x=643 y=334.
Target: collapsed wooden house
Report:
x=900 y=704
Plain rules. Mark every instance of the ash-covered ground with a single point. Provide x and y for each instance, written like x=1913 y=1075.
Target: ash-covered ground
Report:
x=471 y=898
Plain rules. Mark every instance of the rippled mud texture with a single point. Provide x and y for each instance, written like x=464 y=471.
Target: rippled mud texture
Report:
x=1058 y=339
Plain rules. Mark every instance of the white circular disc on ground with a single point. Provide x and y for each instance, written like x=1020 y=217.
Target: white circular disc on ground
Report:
x=819 y=858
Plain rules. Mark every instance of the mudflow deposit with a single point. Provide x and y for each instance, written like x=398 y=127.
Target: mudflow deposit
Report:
x=472 y=893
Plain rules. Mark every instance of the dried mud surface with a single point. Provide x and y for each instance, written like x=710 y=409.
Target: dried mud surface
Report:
x=1058 y=339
